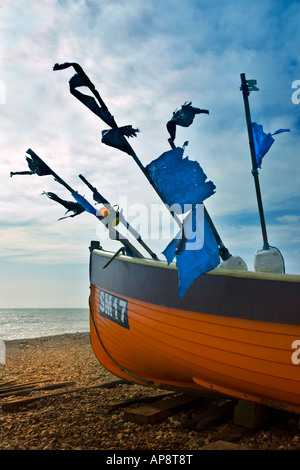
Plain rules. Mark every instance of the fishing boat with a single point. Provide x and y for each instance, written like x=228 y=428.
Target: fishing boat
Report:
x=190 y=323
x=234 y=332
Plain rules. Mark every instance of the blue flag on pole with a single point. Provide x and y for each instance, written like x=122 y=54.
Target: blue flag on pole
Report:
x=263 y=141
x=201 y=252
x=84 y=203
x=184 y=186
x=180 y=181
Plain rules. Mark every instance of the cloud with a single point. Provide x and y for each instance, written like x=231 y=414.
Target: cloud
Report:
x=146 y=59
x=289 y=219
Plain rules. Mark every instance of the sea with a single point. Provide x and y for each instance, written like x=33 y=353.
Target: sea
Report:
x=25 y=323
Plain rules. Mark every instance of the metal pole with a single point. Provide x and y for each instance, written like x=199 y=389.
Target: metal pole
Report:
x=246 y=92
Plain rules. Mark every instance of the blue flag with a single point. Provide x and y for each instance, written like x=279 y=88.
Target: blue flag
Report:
x=201 y=253
x=180 y=181
x=84 y=203
x=263 y=141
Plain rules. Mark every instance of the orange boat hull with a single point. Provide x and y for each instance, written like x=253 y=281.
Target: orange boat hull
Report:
x=168 y=346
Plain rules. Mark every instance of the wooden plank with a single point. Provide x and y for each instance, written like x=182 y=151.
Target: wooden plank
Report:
x=27 y=391
x=12 y=390
x=251 y=415
x=214 y=416
x=21 y=385
x=232 y=433
x=160 y=409
x=4 y=384
x=223 y=445
x=14 y=405
x=114 y=405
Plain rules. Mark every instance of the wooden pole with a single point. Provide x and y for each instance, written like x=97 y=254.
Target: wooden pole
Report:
x=126 y=224
x=224 y=253
x=117 y=235
x=246 y=92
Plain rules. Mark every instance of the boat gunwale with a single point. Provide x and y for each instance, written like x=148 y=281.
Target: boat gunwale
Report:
x=215 y=272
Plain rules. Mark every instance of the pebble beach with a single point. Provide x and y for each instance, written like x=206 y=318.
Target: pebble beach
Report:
x=84 y=420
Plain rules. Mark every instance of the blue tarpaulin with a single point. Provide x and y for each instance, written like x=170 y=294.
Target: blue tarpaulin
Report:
x=201 y=252
x=183 y=186
x=263 y=141
x=180 y=181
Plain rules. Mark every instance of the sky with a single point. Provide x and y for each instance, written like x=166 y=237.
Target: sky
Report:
x=146 y=58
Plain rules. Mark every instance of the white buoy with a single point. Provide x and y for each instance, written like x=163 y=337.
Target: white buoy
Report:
x=269 y=260
x=233 y=262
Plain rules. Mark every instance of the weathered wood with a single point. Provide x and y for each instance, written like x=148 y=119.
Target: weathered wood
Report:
x=4 y=384
x=214 y=416
x=27 y=391
x=21 y=386
x=14 y=405
x=251 y=415
x=223 y=445
x=13 y=389
x=233 y=433
x=114 y=405
x=159 y=410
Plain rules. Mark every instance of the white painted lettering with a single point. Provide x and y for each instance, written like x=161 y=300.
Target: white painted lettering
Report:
x=123 y=305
